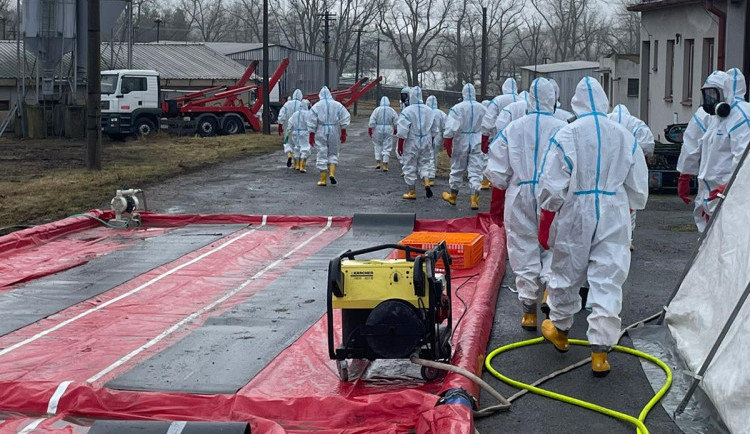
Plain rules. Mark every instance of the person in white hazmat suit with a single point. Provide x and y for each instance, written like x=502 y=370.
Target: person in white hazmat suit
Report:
x=514 y=161
x=560 y=113
x=327 y=124
x=462 y=141
x=689 y=161
x=496 y=105
x=381 y=129
x=643 y=136
x=415 y=132
x=513 y=111
x=403 y=102
x=592 y=174
x=299 y=136
x=286 y=112
x=437 y=138
x=726 y=138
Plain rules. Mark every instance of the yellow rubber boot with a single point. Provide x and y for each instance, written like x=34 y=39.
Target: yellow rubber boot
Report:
x=486 y=184
x=432 y=183
x=474 y=201
x=332 y=173
x=411 y=195
x=295 y=163
x=288 y=159
x=528 y=322
x=558 y=338
x=450 y=197
x=322 y=182
x=385 y=167
x=599 y=364
x=303 y=166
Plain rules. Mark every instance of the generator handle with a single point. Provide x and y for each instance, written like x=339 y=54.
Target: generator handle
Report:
x=350 y=254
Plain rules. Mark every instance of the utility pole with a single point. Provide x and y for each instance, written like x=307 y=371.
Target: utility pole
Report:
x=158 y=22
x=327 y=18
x=93 y=73
x=484 y=53
x=377 y=72
x=130 y=34
x=266 y=91
x=356 y=67
x=3 y=19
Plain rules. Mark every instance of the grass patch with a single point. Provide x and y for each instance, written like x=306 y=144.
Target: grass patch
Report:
x=47 y=180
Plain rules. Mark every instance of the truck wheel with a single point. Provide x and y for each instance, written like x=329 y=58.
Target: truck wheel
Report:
x=207 y=127
x=144 y=127
x=233 y=125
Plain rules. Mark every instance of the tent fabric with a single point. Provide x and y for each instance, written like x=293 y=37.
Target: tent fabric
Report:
x=705 y=300
x=298 y=391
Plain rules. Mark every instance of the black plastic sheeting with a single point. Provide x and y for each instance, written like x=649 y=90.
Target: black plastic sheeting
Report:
x=700 y=416
x=150 y=427
x=227 y=351
x=46 y=296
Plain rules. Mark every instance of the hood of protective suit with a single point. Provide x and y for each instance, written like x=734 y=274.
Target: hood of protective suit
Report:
x=324 y=93
x=525 y=96
x=432 y=102
x=510 y=87
x=739 y=88
x=305 y=104
x=589 y=97
x=469 y=93
x=621 y=112
x=557 y=88
x=297 y=95
x=719 y=80
x=486 y=102
x=415 y=95
x=385 y=102
x=542 y=96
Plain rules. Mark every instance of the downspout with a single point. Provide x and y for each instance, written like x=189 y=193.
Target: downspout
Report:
x=722 y=16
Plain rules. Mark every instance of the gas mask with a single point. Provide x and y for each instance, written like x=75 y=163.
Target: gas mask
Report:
x=405 y=99
x=713 y=102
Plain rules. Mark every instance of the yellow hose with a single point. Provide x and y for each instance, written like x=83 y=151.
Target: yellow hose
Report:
x=641 y=428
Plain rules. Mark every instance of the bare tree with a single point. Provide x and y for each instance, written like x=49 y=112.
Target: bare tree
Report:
x=564 y=23
x=209 y=18
x=531 y=38
x=352 y=15
x=504 y=18
x=411 y=26
x=300 y=24
x=625 y=33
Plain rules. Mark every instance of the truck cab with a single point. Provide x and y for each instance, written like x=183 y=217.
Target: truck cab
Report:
x=130 y=102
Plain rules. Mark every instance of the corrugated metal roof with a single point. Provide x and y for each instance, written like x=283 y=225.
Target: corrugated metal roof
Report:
x=562 y=66
x=228 y=48
x=173 y=61
x=179 y=61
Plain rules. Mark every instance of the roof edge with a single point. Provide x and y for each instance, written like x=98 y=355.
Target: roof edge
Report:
x=647 y=6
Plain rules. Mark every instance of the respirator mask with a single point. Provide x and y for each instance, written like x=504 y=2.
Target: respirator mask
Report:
x=405 y=99
x=713 y=102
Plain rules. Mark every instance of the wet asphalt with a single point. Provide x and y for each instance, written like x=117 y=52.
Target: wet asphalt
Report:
x=664 y=240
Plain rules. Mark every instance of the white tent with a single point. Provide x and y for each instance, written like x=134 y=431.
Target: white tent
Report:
x=709 y=317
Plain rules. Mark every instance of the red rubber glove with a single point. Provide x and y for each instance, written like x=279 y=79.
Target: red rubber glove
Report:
x=448 y=143
x=683 y=187
x=717 y=191
x=343 y=136
x=369 y=131
x=545 y=222
x=312 y=139
x=400 y=147
x=485 y=144
x=281 y=129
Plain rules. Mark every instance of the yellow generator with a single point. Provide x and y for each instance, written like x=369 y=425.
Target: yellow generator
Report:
x=391 y=308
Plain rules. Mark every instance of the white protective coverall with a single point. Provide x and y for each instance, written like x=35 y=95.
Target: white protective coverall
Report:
x=298 y=134
x=326 y=120
x=560 y=113
x=498 y=103
x=513 y=111
x=437 y=139
x=515 y=158
x=725 y=140
x=383 y=122
x=416 y=127
x=285 y=114
x=463 y=125
x=403 y=106
x=643 y=136
x=592 y=173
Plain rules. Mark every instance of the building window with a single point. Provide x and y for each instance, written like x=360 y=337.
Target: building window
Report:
x=656 y=57
x=133 y=84
x=708 y=57
x=687 y=72
x=633 y=86
x=669 y=76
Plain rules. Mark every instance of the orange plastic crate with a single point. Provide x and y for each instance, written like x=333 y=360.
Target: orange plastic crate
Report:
x=466 y=249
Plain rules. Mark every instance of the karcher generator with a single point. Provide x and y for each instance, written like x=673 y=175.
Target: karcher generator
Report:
x=391 y=308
